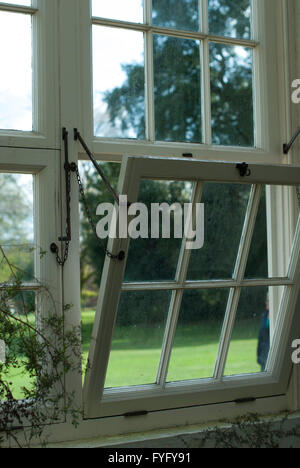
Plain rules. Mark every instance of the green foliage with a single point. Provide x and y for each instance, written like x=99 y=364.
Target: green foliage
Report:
x=177 y=72
x=39 y=354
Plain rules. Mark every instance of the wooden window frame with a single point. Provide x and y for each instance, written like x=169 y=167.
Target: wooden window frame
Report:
x=111 y=402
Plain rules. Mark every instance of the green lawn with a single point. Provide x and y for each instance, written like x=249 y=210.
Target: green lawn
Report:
x=136 y=352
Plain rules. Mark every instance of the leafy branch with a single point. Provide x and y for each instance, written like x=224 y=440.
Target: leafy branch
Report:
x=39 y=353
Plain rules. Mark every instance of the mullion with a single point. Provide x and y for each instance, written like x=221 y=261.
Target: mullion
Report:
x=149 y=74
x=199 y=285
x=23 y=9
x=176 y=300
x=179 y=33
x=240 y=268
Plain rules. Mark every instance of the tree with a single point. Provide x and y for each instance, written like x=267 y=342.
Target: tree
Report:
x=16 y=228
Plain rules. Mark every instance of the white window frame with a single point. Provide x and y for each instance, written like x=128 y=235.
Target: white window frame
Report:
x=267 y=43
x=63 y=77
x=44 y=165
x=113 y=402
x=45 y=83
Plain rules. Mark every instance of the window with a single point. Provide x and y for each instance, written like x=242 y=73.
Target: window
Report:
x=170 y=83
x=28 y=78
x=187 y=79
x=28 y=223
x=191 y=328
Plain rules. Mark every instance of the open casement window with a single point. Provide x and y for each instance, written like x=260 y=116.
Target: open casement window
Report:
x=186 y=329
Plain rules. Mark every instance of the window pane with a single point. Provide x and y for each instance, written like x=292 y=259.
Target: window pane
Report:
x=231 y=95
x=177 y=89
x=268 y=255
x=137 y=339
x=119 y=83
x=155 y=258
x=250 y=342
x=197 y=336
x=230 y=18
x=225 y=208
x=179 y=14
x=16 y=340
x=16 y=72
x=16 y=228
x=129 y=10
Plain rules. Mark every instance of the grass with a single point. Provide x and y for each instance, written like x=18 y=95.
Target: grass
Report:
x=136 y=353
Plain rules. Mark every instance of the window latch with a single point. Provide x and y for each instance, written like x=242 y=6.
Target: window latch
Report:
x=243 y=169
x=67 y=238
x=288 y=146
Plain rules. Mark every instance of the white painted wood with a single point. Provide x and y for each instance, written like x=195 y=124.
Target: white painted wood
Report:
x=158 y=397
x=45 y=82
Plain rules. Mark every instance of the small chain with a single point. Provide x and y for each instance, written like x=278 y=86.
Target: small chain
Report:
x=62 y=260
x=121 y=255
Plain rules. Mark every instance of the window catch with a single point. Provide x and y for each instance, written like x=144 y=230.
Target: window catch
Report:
x=288 y=146
x=243 y=169
x=67 y=238
x=135 y=414
x=242 y=401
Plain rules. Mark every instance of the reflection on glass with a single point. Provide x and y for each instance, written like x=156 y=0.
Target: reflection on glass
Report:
x=251 y=338
x=177 y=89
x=156 y=258
x=137 y=339
x=15 y=347
x=131 y=10
x=16 y=72
x=16 y=227
x=258 y=266
x=232 y=95
x=119 y=83
x=197 y=336
x=179 y=14
x=230 y=18
x=225 y=209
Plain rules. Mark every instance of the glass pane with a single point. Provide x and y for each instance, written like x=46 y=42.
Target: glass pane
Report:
x=197 y=336
x=138 y=337
x=268 y=255
x=225 y=209
x=230 y=18
x=232 y=95
x=15 y=342
x=129 y=10
x=177 y=89
x=178 y=14
x=16 y=72
x=16 y=228
x=251 y=339
x=119 y=83
x=257 y=266
x=155 y=258
x=91 y=254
